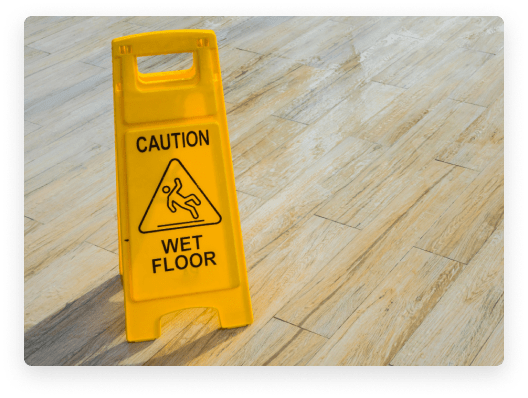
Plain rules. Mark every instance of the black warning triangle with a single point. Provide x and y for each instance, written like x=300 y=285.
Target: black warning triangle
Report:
x=178 y=202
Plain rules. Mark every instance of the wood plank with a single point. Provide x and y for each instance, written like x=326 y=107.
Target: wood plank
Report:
x=460 y=324
x=32 y=55
x=422 y=60
x=431 y=28
x=30 y=127
x=73 y=34
x=278 y=36
x=301 y=198
x=40 y=28
x=335 y=293
x=492 y=353
x=64 y=116
x=52 y=81
x=30 y=225
x=485 y=86
x=359 y=202
x=267 y=101
x=489 y=39
x=480 y=142
x=60 y=237
x=85 y=185
x=381 y=325
x=105 y=237
x=82 y=269
x=327 y=115
x=261 y=140
x=260 y=73
x=467 y=224
x=183 y=22
x=273 y=280
x=352 y=75
x=230 y=29
x=397 y=118
x=92 y=49
x=93 y=327
x=278 y=343
x=247 y=204
x=43 y=171
x=282 y=166
x=358 y=42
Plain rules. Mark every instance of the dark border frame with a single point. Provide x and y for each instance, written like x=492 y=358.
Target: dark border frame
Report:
x=250 y=380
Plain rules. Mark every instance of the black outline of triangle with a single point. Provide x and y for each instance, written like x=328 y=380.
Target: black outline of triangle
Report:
x=156 y=191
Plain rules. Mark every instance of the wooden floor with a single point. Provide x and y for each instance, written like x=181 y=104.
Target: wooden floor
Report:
x=368 y=155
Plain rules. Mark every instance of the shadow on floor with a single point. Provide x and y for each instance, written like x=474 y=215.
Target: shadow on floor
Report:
x=91 y=331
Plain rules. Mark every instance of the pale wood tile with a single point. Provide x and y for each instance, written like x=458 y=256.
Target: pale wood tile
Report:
x=273 y=279
x=476 y=146
x=492 y=353
x=381 y=325
x=46 y=87
x=82 y=269
x=247 y=204
x=32 y=55
x=94 y=48
x=340 y=84
x=81 y=186
x=73 y=35
x=64 y=116
x=30 y=127
x=30 y=225
x=413 y=105
x=261 y=140
x=301 y=198
x=335 y=293
x=60 y=336
x=106 y=236
x=44 y=109
x=260 y=73
x=175 y=22
x=40 y=28
x=230 y=29
x=282 y=166
x=63 y=235
x=430 y=28
x=278 y=343
x=267 y=101
x=324 y=74
x=461 y=323
x=278 y=36
x=358 y=203
x=489 y=39
x=471 y=219
x=485 y=86
x=43 y=170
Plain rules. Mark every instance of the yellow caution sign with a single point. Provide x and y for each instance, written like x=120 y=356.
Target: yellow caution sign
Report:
x=180 y=241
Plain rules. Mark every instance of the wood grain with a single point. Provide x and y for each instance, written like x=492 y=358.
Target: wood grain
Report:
x=278 y=343
x=368 y=155
x=464 y=319
x=381 y=325
x=363 y=264
x=485 y=85
x=464 y=227
x=480 y=143
x=360 y=202
x=492 y=353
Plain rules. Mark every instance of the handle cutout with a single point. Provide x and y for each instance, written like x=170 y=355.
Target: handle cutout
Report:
x=167 y=67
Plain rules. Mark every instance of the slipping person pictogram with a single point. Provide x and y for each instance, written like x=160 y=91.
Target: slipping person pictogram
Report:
x=178 y=202
x=175 y=198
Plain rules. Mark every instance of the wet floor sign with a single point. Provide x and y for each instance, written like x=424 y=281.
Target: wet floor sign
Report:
x=180 y=242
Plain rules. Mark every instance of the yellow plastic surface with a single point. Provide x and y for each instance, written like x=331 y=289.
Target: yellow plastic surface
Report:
x=180 y=241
